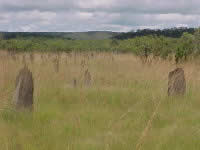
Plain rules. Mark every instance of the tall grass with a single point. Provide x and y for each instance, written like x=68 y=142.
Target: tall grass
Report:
x=110 y=114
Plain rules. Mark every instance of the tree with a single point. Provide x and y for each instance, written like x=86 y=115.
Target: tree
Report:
x=197 y=41
x=185 y=47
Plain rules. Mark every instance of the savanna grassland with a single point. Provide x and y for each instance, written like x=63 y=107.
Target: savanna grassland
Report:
x=123 y=107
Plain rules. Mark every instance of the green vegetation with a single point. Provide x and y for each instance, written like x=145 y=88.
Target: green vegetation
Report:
x=185 y=46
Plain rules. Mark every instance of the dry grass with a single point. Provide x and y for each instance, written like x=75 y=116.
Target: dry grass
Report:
x=117 y=110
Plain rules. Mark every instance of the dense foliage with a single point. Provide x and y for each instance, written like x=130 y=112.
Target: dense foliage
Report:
x=173 y=32
x=187 y=45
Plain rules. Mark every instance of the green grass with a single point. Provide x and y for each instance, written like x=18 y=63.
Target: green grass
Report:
x=105 y=116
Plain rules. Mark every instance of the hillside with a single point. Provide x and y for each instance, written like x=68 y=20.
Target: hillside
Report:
x=92 y=35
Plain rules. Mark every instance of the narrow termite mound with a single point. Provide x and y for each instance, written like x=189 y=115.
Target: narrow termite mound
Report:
x=87 y=78
x=23 y=97
x=176 y=82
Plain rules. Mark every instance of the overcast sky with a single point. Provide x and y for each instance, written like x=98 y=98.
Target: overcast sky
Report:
x=90 y=15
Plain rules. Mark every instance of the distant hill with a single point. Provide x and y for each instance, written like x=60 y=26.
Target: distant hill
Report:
x=92 y=35
x=98 y=35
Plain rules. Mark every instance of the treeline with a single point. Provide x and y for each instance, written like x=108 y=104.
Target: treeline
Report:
x=173 y=32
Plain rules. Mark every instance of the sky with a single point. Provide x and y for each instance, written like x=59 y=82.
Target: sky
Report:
x=96 y=15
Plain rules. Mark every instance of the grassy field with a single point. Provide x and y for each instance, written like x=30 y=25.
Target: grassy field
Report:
x=125 y=107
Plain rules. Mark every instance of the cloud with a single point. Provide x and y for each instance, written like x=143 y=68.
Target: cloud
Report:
x=87 y=15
